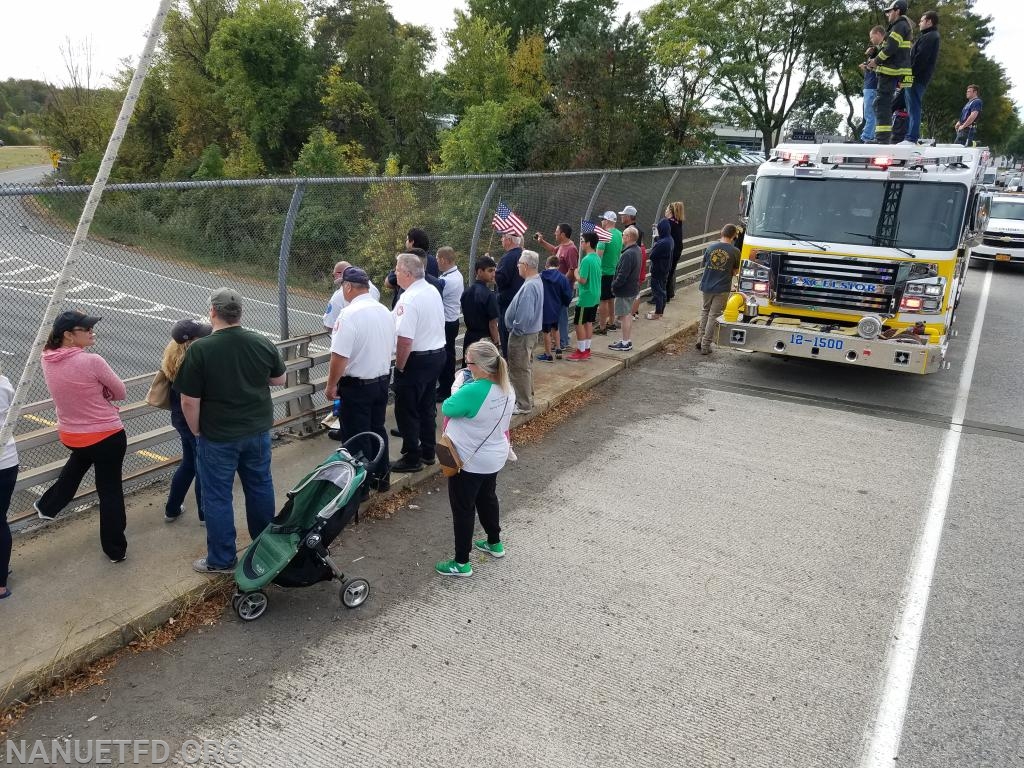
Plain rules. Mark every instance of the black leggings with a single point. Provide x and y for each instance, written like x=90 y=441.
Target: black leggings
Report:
x=470 y=495
x=108 y=458
x=7 y=478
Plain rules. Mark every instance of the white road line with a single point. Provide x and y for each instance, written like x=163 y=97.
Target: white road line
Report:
x=204 y=288
x=883 y=747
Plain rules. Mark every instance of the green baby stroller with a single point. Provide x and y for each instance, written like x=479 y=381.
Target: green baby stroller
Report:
x=293 y=550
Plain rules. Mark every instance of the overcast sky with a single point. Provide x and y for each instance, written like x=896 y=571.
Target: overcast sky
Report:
x=31 y=35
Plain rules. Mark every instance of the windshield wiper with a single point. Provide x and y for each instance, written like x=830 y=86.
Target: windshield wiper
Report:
x=881 y=242
x=796 y=236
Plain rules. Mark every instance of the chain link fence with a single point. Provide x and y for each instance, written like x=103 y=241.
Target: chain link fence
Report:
x=158 y=250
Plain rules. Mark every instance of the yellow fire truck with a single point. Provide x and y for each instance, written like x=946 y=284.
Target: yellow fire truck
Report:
x=856 y=253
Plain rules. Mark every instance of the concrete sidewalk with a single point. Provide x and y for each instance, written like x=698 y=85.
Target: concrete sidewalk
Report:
x=70 y=605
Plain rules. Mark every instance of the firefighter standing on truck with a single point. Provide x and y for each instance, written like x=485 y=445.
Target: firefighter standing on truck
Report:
x=893 y=67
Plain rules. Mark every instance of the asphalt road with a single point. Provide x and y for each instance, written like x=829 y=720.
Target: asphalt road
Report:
x=138 y=297
x=707 y=566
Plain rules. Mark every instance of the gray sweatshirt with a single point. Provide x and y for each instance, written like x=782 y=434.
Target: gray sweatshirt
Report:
x=626 y=282
x=525 y=313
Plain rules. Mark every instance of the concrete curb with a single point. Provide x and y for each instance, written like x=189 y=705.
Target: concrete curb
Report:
x=139 y=611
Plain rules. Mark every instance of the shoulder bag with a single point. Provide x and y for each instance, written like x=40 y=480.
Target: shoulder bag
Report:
x=159 y=395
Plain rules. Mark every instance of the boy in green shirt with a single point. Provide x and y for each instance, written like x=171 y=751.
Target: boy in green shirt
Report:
x=588 y=278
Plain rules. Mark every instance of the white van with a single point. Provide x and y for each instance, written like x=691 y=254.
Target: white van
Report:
x=1004 y=236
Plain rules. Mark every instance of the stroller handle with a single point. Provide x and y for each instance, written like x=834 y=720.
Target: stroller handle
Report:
x=375 y=436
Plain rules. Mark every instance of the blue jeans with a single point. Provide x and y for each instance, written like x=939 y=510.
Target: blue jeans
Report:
x=563 y=328
x=186 y=471
x=868 y=132
x=218 y=463
x=914 y=95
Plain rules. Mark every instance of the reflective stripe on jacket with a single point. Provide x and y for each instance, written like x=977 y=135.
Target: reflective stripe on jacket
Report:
x=894 y=55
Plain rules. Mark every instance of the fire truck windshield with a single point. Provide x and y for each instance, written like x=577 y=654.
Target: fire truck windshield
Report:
x=918 y=215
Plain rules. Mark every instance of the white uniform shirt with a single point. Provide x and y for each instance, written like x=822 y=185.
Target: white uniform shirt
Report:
x=8 y=453
x=419 y=315
x=452 y=297
x=337 y=303
x=365 y=334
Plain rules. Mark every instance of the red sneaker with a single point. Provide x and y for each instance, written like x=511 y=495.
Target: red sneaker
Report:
x=578 y=356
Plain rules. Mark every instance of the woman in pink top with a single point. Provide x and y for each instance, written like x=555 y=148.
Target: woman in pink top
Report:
x=82 y=386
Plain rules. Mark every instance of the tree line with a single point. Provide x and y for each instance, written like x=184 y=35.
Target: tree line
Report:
x=248 y=88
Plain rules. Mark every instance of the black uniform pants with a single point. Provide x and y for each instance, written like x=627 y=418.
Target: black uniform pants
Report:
x=416 y=403
x=107 y=456
x=470 y=495
x=364 y=403
x=444 y=383
x=883 y=107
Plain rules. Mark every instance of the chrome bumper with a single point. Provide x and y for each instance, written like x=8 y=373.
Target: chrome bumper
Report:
x=834 y=347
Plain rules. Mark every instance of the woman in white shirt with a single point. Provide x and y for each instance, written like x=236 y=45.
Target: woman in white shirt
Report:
x=8 y=476
x=478 y=414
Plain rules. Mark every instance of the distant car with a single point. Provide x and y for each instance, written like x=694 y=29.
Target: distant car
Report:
x=1015 y=184
x=1004 y=236
x=2 y=143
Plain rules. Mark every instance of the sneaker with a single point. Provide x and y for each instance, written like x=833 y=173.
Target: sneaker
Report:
x=39 y=512
x=451 y=568
x=170 y=518
x=405 y=464
x=545 y=358
x=578 y=356
x=636 y=315
x=428 y=460
x=517 y=411
x=201 y=566
x=558 y=354
x=120 y=559
x=908 y=142
x=494 y=550
x=600 y=331
x=621 y=346
x=612 y=327
x=697 y=346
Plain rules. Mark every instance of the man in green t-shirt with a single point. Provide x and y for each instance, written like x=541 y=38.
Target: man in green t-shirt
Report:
x=225 y=382
x=588 y=278
x=609 y=252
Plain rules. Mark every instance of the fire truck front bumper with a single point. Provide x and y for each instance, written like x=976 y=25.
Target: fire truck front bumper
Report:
x=905 y=356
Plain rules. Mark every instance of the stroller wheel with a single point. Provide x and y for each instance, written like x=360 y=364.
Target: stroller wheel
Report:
x=250 y=606
x=354 y=592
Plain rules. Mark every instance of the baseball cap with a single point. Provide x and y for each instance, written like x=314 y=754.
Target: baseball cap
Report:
x=900 y=5
x=610 y=216
x=355 y=275
x=187 y=330
x=68 y=321
x=629 y=210
x=226 y=299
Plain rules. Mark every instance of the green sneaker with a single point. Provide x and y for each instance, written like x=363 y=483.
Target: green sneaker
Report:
x=494 y=550
x=451 y=568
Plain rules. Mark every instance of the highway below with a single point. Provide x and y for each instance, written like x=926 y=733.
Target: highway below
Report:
x=732 y=560
x=138 y=296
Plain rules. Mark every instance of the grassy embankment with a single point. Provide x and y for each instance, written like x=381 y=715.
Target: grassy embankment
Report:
x=22 y=157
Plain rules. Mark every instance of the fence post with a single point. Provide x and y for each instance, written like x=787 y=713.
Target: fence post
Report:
x=282 y=259
x=661 y=203
x=475 y=243
x=711 y=202
x=593 y=197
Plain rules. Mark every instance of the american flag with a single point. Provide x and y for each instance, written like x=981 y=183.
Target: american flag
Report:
x=603 y=235
x=506 y=222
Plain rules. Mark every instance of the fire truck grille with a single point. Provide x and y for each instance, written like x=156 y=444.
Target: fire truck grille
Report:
x=831 y=282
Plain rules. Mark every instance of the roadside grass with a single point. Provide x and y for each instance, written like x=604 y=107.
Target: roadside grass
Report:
x=22 y=157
